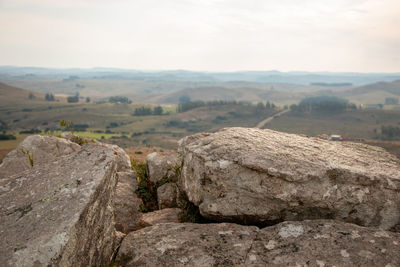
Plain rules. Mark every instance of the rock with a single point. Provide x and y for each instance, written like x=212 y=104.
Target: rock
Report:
x=254 y=176
x=171 y=215
x=60 y=210
x=306 y=243
x=126 y=202
x=160 y=166
x=187 y=244
x=324 y=243
x=167 y=195
x=41 y=149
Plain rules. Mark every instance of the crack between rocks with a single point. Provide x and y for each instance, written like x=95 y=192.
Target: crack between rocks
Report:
x=251 y=246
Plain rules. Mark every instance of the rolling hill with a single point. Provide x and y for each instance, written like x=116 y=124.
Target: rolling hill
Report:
x=10 y=95
x=372 y=93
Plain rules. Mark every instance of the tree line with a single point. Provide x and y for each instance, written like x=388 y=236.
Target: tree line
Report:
x=147 y=111
x=323 y=104
x=182 y=107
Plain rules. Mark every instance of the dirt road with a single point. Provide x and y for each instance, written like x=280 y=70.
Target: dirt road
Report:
x=269 y=119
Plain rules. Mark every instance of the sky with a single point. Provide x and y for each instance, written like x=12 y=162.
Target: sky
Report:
x=206 y=35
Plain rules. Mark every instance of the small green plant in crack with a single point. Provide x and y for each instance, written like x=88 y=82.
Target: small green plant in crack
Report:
x=191 y=212
x=163 y=181
x=29 y=154
x=69 y=125
x=147 y=190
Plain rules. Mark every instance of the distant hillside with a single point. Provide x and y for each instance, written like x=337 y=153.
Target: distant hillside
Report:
x=14 y=95
x=373 y=93
x=296 y=77
x=278 y=96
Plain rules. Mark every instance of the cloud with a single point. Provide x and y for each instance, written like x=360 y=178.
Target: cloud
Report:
x=213 y=34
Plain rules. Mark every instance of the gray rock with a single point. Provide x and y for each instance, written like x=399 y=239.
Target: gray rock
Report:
x=167 y=195
x=324 y=243
x=306 y=243
x=126 y=202
x=170 y=215
x=160 y=166
x=263 y=176
x=60 y=210
x=187 y=244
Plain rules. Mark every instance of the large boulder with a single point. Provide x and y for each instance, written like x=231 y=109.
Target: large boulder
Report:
x=185 y=244
x=57 y=203
x=161 y=166
x=262 y=177
x=306 y=243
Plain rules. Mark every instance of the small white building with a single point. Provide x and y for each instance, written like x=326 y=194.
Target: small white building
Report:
x=336 y=138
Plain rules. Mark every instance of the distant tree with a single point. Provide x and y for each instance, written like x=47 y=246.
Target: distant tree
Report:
x=323 y=104
x=390 y=132
x=73 y=99
x=142 y=111
x=391 y=101
x=87 y=99
x=273 y=105
x=49 y=97
x=268 y=105
x=31 y=96
x=184 y=99
x=4 y=136
x=260 y=106
x=119 y=99
x=158 y=110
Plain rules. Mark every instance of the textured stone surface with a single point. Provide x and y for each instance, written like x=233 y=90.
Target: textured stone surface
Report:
x=263 y=176
x=160 y=166
x=324 y=243
x=126 y=202
x=60 y=210
x=306 y=243
x=170 y=215
x=167 y=195
x=187 y=245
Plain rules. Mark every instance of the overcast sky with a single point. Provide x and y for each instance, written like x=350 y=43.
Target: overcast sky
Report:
x=222 y=35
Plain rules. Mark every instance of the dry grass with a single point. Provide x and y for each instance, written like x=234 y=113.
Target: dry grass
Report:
x=140 y=153
x=3 y=153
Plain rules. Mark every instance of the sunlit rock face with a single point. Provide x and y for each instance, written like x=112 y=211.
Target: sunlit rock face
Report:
x=253 y=176
x=57 y=205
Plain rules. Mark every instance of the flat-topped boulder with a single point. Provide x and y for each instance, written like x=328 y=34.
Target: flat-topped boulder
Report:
x=255 y=176
x=306 y=243
x=57 y=203
x=187 y=244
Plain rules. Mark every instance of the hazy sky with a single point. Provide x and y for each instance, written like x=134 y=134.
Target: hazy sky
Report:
x=224 y=35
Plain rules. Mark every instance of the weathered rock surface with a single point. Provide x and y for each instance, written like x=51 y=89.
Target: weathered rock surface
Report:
x=160 y=166
x=263 y=176
x=60 y=210
x=126 y=202
x=187 y=244
x=324 y=243
x=170 y=215
x=306 y=243
x=167 y=196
